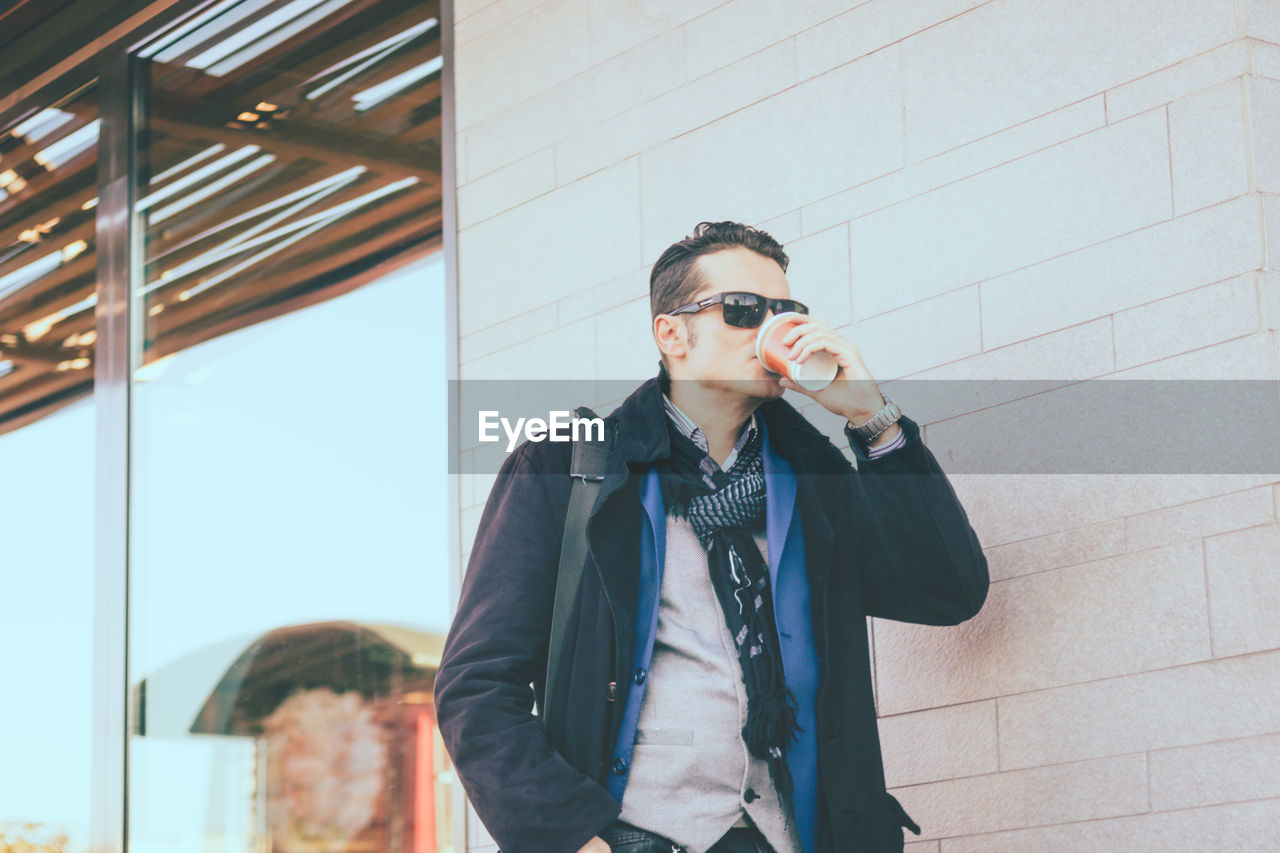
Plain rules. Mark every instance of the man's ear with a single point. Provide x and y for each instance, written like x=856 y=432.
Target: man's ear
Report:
x=670 y=335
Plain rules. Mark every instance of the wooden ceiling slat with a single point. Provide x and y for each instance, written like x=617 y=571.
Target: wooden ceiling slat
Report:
x=184 y=252
x=178 y=340
x=11 y=419
x=273 y=88
x=39 y=386
x=298 y=140
x=280 y=271
x=339 y=102
x=48 y=183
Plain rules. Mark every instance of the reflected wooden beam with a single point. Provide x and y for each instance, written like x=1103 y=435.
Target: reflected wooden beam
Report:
x=10 y=421
x=296 y=139
x=36 y=392
x=292 y=266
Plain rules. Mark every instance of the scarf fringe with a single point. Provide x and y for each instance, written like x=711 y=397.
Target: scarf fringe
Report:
x=771 y=721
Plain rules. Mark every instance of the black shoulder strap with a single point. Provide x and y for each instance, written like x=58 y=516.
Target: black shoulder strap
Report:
x=587 y=469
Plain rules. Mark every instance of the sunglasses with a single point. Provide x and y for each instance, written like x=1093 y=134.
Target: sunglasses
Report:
x=743 y=309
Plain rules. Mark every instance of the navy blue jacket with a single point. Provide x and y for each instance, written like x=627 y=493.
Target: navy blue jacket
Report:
x=889 y=539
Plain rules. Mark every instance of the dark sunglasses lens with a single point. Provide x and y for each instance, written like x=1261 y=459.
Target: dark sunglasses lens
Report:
x=743 y=309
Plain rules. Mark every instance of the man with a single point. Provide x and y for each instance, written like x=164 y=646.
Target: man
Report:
x=719 y=688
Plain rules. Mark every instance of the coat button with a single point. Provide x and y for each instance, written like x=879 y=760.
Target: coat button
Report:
x=749 y=794
x=640 y=675
x=619 y=767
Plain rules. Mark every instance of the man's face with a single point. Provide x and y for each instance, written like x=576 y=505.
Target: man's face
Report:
x=721 y=355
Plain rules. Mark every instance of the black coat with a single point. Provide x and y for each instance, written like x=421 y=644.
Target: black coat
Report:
x=889 y=539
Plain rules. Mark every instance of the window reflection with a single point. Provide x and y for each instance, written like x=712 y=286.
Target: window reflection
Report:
x=48 y=286
x=289 y=585
x=48 y=176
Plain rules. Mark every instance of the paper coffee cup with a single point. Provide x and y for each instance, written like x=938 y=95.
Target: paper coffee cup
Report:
x=813 y=374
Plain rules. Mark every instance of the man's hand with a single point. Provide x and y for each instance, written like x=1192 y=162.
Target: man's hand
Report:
x=853 y=393
x=596 y=845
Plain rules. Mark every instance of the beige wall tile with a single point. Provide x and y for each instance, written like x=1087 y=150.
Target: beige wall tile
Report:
x=541 y=357
x=1178 y=706
x=1262 y=19
x=1219 y=514
x=1270 y=285
x=775 y=155
x=1075 y=194
x=1236 y=827
x=601 y=297
x=475 y=18
x=576 y=105
x=508 y=332
x=1265 y=114
x=818 y=272
x=868 y=27
x=733 y=30
x=617 y=25
x=997 y=65
x=1123 y=614
x=627 y=349
x=1266 y=58
x=1070 y=354
x=503 y=189
x=941 y=743
x=1122 y=272
x=934 y=331
x=658 y=119
x=1067 y=548
x=1186 y=321
x=1192 y=74
x=1248 y=357
x=1012 y=507
x=1271 y=227
x=784 y=228
x=1045 y=795
x=1244 y=589
x=510 y=265
x=1212 y=773
x=926 y=175
x=1207 y=147
x=519 y=58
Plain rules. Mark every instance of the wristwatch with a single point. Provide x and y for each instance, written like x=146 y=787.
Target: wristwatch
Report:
x=883 y=419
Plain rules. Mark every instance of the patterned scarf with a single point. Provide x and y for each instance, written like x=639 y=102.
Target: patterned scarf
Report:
x=723 y=509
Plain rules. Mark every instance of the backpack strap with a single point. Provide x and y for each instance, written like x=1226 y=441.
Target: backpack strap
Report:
x=587 y=470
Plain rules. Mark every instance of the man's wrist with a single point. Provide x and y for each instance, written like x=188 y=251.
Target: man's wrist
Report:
x=859 y=416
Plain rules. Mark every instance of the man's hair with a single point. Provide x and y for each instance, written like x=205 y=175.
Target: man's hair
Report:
x=676 y=278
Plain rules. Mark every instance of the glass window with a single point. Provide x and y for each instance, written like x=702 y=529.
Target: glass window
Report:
x=48 y=289
x=289 y=573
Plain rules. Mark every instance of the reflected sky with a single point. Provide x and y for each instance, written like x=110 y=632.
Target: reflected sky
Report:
x=289 y=472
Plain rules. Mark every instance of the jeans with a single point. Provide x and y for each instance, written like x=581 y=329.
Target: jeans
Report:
x=622 y=837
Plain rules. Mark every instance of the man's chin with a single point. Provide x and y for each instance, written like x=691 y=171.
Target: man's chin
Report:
x=761 y=388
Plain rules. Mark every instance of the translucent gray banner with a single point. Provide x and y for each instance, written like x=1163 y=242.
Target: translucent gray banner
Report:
x=1095 y=426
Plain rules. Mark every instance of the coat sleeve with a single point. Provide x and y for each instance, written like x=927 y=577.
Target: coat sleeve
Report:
x=920 y=559
x=529 y=798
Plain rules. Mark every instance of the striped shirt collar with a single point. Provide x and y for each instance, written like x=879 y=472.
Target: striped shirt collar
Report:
x=694 y=432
